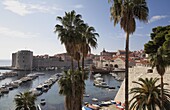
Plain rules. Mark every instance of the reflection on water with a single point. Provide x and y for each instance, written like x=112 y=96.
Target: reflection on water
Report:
x=54 y=101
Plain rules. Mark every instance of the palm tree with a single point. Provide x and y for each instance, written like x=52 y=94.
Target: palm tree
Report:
x=69 y=36
x=67 y=32
x=66 y=89
x=88 y=41
x=159 y=61
x=147 y=96
x=25 y=101
x=125 y=12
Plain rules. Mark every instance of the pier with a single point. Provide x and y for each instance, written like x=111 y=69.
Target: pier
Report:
x=6 y=68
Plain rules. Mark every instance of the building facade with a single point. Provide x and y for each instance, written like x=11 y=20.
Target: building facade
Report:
x=22 y=60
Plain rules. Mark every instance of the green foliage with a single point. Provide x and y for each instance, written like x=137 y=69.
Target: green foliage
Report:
x=160 y=38
x=25 y=101
x=147 y=95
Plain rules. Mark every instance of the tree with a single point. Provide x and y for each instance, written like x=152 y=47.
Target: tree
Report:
x=66 y=89
x=147 y=95
x=125 y=12
x=67 y=32
x=158 y=50
x=25 y=101
x=88 y=41
x=69 y=36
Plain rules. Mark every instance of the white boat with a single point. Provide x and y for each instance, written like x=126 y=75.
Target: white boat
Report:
x=97 y=75
x=94 y=99
x=43 y=102
x=102 y=84
x=105 y=103
x=4 y=89
x=17 y=82
x=114 y=74
x=40 y=73
x=24 y=79
x=14 y=85
x=46 y=87
x=35 y=92
x=86 y=95
x=39 y=87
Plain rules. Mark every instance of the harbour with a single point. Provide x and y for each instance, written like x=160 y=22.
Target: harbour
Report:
x=54 y=101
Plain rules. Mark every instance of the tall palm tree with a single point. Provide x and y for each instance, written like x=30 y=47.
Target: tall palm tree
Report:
x=69 y=36
x=88 y=41
x=125 y=12
x=67 y=31
x=159 y=61
x=25 y=101
x=147 y=96
x=66 y=89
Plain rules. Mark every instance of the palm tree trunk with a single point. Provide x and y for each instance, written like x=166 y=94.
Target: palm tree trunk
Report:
x=162 y=92
x=73 y=85
x=127 y=71
x=72 y=64
x=78 y=64
x=83 y=67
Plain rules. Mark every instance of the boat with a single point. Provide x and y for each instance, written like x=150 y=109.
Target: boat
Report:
x=106 y=103
x=40 y=73
x=39 y=87
x=14 y=85
x=4 y=90
x=92 y=107
x=97 y=75
x=35 y=92
x=24 y=79
x=2 y=76
x=42 y=102
x=102 y=84
x=17 y=82
x=94 y=99
x=86 y=108
x=46 y=87
x=112 y=87
x=114 y=74
x=86 y=95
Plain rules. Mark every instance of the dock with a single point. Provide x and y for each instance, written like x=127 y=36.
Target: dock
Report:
x=6 y=68
x=105 y=71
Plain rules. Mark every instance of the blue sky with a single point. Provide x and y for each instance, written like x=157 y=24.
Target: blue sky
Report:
x=29 y=24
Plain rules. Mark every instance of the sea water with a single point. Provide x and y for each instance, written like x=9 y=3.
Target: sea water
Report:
x=54 y=101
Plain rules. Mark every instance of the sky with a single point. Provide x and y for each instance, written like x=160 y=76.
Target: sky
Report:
x=29 y=25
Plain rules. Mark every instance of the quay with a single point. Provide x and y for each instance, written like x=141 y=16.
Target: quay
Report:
x=106 y=71
x=6 y=68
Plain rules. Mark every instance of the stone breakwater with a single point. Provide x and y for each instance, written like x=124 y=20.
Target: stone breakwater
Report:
x=134 y=74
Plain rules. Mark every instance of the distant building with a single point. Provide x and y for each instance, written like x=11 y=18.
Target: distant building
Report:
x=22 y=60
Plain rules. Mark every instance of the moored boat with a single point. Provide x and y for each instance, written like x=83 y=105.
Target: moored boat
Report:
x=43 y=102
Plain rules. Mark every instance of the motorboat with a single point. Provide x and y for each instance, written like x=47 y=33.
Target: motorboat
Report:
x=106 y=103
x=86 y=95
x=102 y=84
x=17 y=82
x=43 y=102
x=4 y=89
x=39 y=87
x=97 y=75
x=35 y=92
x=94 y=99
